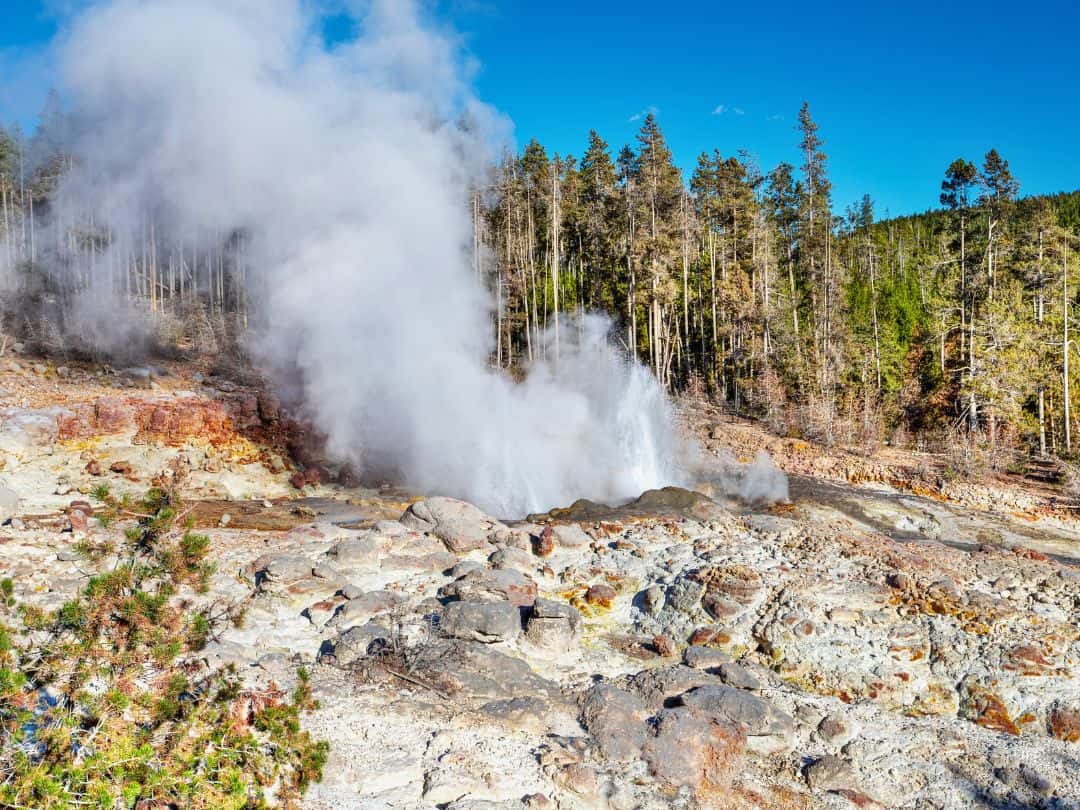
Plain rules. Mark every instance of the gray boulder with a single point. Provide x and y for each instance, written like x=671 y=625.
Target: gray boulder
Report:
x=767 y=728
x=553 y=625
x=486 y=622
x=615 y=719
x=461 y=526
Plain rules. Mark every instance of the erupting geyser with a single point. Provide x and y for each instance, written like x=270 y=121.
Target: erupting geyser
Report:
x=346 y=168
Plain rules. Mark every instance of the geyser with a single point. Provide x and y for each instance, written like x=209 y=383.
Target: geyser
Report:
x=346 y=169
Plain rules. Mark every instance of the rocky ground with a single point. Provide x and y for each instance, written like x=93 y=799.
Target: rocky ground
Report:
x=856 y=648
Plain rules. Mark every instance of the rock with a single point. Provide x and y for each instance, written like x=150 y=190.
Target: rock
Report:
x=570 y=535
x=354 y=643
x=737 y=676
x=282 y=569
x=486 y=622
x=1065 y=723
x=543 y=542
x=492 y=586
x=460 y=525
x=686 y=750
x=121 y=467
x=836 y=730
x=706 y=658
x=513 y=558
x=351 y=554
x=553 y=626
x=468 y=669
x=361 y=608
x=9 y=501
x=524 y=713
x=831 y=774
x=601 y=595
x=756 y=717
x=656 y=686
x=665 y=646
x=616 y=720
x=93 y=467
x=652 y=599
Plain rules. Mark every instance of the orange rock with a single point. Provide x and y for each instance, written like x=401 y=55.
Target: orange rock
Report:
x=600 y=594
x=1065 y=724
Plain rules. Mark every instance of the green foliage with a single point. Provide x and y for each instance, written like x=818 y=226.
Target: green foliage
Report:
x=94 y=714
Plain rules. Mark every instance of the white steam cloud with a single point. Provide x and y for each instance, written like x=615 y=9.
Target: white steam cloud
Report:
x=345 y=168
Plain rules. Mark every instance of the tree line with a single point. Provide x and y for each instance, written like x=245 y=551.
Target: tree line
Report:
x=743 y=285
x=749 y=286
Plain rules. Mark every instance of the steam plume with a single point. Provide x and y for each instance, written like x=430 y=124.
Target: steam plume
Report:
x=345 y=169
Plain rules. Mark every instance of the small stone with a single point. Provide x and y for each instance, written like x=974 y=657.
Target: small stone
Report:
x=578 y=778
x=120 y=467
x=1037 y=780
x=665 y=646
x=835 y=730
x=544 y=542
x=93 y=467
x=1065 y=723
x=298 y=480
x=601 y=594
x=831 y=773
x=652 y=599
x=705 y=658
x=224 y=520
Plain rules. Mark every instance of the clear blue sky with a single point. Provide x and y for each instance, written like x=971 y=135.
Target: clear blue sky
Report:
x=899 y=89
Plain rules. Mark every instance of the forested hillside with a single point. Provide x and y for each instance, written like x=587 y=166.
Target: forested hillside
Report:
x=748 y=284
x=726 y=278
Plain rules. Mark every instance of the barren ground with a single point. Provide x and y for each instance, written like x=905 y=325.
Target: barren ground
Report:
x=891 y=637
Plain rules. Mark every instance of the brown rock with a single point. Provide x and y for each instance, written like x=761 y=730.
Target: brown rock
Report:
x=121 y=467
x=665 y=646
x=297 y=480
x=544 y=543
x=600 y=594
x=1065 y=723
x=93 y=467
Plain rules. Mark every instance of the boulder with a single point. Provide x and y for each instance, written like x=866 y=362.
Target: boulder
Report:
x=281 y=569
x=687 y=750
x=553 y=626
x=481 y=585
x=615 y=719
x=360 y=608
x=486 y=622
x=656 y=686
x=358 y=553
x=767 y=728
x=354 y=643
x=570 y=535
x=461 y=526
x=469 y=669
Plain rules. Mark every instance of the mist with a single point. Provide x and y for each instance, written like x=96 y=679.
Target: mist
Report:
x=234 y=117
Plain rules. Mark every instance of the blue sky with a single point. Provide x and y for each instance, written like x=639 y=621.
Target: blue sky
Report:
x=899 y=89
